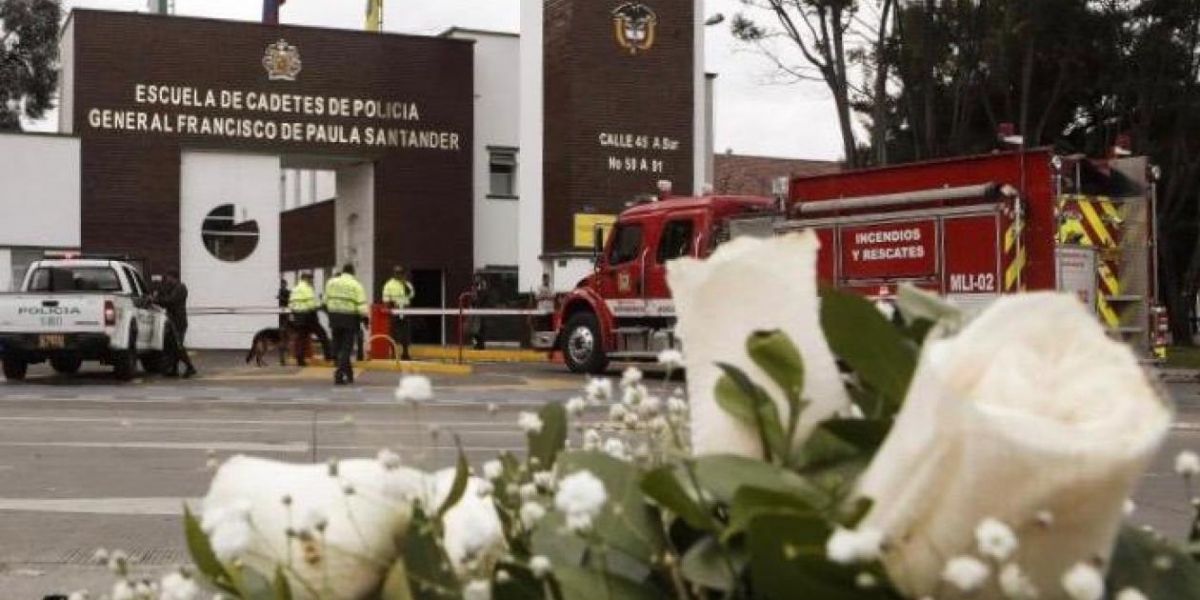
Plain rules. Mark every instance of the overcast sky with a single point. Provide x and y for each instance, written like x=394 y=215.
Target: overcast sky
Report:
x=752 y=115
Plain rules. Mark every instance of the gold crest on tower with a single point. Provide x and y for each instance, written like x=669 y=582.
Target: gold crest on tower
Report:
x=282 y=61
x=634 y=26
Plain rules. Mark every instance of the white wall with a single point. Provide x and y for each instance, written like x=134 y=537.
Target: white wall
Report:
x=497 y=106
x=355 y=237
x=251 y=184
x=529 y=179
x=6 y=275
x=66 y=77
x=39 y=190
x=703 y=107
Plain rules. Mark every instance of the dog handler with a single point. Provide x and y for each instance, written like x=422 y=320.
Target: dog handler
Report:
x=346 y=303
x=304 y=306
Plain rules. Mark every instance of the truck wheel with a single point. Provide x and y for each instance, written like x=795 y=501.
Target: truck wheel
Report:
x=66 y=365
x=582 y=345
x=14 y=369
x=125 y=364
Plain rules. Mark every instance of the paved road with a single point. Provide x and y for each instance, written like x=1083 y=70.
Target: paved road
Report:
x=87 y=462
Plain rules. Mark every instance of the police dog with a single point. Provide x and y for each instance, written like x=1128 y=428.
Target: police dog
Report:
x=266 y=340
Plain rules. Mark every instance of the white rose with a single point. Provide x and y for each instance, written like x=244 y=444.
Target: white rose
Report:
x=750 y=285
x=1031 y=410
x=360 y=528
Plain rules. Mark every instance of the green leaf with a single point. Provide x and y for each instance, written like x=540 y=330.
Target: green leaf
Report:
x=723 y=475
x=627 y=523
x=704 y=564
x=917 y=305
x=395 y=584
x=459 y=487
x=751 y=502
x=201 y=550
x=578 y=583
x=430 y=576
x=547 y=443
x=787 y=555
x=1133 y=566
x=779 y=358
x=252 y=585
x=551 y=539
x=521 y=584
x=748 y=402
x=283 y=589
x=671 y=489
x=861 y=336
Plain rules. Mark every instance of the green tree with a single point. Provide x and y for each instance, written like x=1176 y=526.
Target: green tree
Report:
x=822 y=40
x=28 y=59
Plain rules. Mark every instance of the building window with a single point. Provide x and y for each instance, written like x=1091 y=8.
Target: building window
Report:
x=502 y=170
x=226 y=238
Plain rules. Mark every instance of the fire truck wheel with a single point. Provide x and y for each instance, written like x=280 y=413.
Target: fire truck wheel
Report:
x=582 y=346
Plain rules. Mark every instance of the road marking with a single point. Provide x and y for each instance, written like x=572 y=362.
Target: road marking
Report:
x=290 y=447
x=361 y=421
x=100 y=506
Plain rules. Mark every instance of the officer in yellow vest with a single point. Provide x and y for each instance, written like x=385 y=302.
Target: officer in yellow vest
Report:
x=303 y=304
x=398 y=293
x=346 y=303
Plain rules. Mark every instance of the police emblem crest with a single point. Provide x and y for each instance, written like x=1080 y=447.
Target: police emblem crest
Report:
x=634 y=26
x=282 y=61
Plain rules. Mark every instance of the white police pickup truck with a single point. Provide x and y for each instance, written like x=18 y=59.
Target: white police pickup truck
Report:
x=72 y=310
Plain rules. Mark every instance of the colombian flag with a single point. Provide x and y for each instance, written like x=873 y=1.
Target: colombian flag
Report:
x=271 y=11
x=374 y=15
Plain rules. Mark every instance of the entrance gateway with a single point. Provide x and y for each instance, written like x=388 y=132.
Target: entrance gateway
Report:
x=185 y=125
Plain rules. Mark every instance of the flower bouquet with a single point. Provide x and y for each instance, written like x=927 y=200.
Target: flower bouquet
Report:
x=826 y=449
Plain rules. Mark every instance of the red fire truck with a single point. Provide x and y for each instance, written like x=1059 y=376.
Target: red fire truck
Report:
x=969 y=228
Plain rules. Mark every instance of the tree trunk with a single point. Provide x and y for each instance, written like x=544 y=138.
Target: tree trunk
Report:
x=879 y=101
x=841 y=90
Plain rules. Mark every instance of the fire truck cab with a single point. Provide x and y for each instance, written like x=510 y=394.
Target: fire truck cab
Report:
x=623 y=310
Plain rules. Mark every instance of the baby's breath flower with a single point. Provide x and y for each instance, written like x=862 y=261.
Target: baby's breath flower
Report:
x=617 y=413
x=591 y=440
x=672 y=359
x=177 y=586
x=1131 y=594
x=598 y=389
x=484 y=488
x=122 y=591
x=390 y=460
x=965 y=573
x=529 y=422
x=493 y=469
x=540 y=565
x=615 y=448
x=1015 y=584
x=414 y=388
x=1187 y=463
x=581 y=496
x=576 y=405
x=544 y=480
x=631 y=420
x=677 y=406
x=1129 y=507
x=528 y=492
x=632 y=376
x=995 y=539
x=866 y=581
x=847 y=546
x=531 y=513
x=479 y=589
x=1083 y=582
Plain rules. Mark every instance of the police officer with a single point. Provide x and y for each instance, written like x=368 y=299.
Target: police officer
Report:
x=303 y=303
x=173 y=296
x=346 y=303
x=398 y=293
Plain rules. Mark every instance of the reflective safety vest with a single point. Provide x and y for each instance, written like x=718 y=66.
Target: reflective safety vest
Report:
x=398 y=292
x=344 y=295
x=303 y=299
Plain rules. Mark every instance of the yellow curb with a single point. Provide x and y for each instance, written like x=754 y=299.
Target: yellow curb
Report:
x=405 y=366
x=472 y=355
